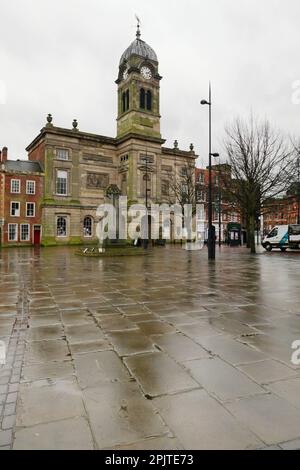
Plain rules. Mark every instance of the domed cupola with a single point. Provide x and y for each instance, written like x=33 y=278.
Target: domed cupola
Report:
x=138 y=48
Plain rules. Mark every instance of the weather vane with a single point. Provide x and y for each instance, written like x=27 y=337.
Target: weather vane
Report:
x=138 y=33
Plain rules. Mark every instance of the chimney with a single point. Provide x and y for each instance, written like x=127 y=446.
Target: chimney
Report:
x=4 y=155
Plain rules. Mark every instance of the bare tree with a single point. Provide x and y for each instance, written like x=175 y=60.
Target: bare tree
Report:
x=260 y=161
x=182 y=189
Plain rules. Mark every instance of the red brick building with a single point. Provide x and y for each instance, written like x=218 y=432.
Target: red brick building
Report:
x=280 y=211
x=228 y=213
x=21 y=193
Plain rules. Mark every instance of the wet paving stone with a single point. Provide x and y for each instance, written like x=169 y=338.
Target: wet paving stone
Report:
x=86 y=332
x=231 y=350
x=48 y=370
x=271 y=418
x=200 y=422
x=155 y=328
x=156 y=443
x=222 y=380
x=44 y=320
x=288 y=389
x=115 y=323
x=158 y=374
x=128 y=343
x=45 y=351
x=70 y=434
x=179 y=347
x=45 y=403
x=96 y=368
x=265 y=372
x=90 y=346
x=48 y=332
x=119 y=414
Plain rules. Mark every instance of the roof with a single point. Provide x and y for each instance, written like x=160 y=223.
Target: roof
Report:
x=23 y=166
x=140 y=48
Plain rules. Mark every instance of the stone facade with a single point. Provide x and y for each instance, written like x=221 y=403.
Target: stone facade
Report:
x=79 y=166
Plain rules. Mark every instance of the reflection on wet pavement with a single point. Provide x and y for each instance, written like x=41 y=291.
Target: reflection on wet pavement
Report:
x=164 y=351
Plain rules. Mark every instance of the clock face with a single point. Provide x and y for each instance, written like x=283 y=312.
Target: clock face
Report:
x=125 y=74
x=146 y=72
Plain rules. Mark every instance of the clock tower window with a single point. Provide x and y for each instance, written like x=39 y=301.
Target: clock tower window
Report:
x=149 y=100
x=125 y=101
x=142 y=98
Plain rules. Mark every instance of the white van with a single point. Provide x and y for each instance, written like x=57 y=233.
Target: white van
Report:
x=277 y=238
x=283 y=237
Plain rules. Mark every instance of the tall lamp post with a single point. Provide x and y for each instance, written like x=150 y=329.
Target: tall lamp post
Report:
x=298 y=188
x=211 y=242
x=146 y=160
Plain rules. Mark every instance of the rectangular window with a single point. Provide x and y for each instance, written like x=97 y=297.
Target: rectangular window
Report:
x=62 y=154
x=15 y=186
x=62 y=183
x=30 y=209
x=13 y=232
x=30 y=187
x=25 y=232
x=15 y=209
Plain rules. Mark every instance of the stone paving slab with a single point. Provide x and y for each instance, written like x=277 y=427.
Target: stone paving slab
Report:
x=222 y=380
x=46 y=351
x=96 y=368
x=119 y=414
x=158 y=374
x=69 y=434
x=180 y=347
x=271 y=418
x=268 y=371
x=47 y=370
x=132 y=342
x=42 y=403
x=231 y=350
x=200 y=422
x=287 y=389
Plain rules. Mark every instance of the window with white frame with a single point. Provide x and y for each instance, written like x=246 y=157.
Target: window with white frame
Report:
x=61 y=227
x=15 y=209
x=30 y=209
x=62 y=154
x=62 y=182
x=12 y=232
x=88 y=226
x=25 y=232
x=15 y=186
x=30 y=187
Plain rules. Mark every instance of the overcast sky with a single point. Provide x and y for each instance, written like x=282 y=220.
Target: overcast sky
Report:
x=62 y=56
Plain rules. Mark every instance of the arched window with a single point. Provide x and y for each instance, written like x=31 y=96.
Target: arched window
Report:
x=127 y=100
x=87 y=226
x=142 y=98
x=123 y=102
x=61 y=227
x=149 y=100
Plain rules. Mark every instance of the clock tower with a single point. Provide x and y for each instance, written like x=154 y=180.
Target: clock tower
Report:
x=138 y=91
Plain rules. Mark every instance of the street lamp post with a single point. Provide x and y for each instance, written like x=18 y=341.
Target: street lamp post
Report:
x=298 y=188
x=211 y=242
x=146 y=161
x=220 y=208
